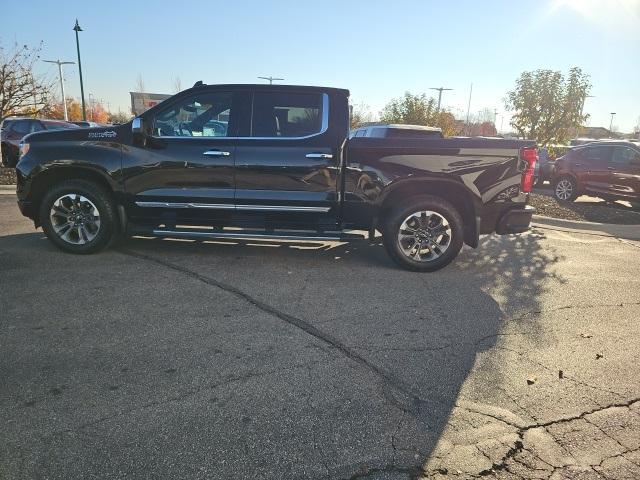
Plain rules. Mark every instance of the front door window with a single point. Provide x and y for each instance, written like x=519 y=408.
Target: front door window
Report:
x=205 y=115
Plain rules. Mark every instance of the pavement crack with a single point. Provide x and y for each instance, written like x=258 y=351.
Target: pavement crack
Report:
x=386 y=377
x=395 y=434
x=314 y=433
x=517 y=447
x=414 y=471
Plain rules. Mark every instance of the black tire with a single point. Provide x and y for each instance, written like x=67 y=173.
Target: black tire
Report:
x=565 y=189
x=100 y=200
x=8 y=160
x=396 y=216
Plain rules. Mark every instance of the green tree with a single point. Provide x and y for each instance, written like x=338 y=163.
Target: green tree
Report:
x=410 y=109
x=548 y=106
x=419 y=110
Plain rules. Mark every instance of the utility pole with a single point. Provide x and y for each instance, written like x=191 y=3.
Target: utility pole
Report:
x=611 y=124
x=271 y=79
x=64 y=99
x=495 y=116
x=440 y=90
x=84 y=110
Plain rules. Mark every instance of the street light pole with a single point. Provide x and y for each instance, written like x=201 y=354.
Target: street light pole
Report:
x=440 y=90
x=64 y=98
x=611 y=124
x=271 y=79
x=84 y=110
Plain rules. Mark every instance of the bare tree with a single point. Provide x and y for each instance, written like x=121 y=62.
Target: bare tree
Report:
x=21 y=90
x=140 y=87
x=360 y=114
x=177 y=84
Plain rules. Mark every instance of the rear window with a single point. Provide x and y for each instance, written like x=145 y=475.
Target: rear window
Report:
x=22 y=127
x=58 y=125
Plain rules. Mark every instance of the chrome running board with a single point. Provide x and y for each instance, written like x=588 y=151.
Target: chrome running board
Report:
x=255 y=235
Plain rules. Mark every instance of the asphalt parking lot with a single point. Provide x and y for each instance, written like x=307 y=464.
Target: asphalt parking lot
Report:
x=227 y=360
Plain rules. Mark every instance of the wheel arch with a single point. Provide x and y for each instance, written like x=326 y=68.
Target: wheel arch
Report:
x=453 y=192
x=46 y=178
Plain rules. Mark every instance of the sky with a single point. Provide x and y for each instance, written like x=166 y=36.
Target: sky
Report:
x=376 y=49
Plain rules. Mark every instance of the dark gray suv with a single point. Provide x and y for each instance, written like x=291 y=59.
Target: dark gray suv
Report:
x=14 y=129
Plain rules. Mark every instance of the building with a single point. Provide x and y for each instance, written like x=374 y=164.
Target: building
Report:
x=597 y=133
x=141 y=101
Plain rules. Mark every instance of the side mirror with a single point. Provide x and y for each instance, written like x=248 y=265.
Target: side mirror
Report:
x=138 y=131
x=136 y=126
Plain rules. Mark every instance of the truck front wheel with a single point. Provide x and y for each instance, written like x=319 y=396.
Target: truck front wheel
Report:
x=423 y=234
x=78 y=216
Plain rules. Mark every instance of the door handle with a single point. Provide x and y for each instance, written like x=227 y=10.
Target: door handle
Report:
x=610 y=168
x=577 y=164
x=216 y=153
x=319 y=155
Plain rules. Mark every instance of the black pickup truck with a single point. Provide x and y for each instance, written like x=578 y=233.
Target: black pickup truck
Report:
x=274 y=162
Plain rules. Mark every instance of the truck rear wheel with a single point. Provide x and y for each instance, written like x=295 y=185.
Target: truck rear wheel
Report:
x=423 y=234
x=78 y=216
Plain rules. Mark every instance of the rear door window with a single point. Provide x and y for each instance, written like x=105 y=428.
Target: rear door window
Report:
x=286 y=115
x=597 y=154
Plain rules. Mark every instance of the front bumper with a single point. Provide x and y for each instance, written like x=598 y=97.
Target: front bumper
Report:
x=26 y=208
x=516 y=220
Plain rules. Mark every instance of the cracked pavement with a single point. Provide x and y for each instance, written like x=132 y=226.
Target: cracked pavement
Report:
x=180 y=359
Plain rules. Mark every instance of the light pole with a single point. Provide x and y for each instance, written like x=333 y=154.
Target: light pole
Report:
x=611 y=124
x=271 y=79
x=64 y=99
x=440 y=90
x=84 y=110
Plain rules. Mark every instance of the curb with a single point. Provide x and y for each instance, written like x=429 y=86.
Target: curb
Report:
x=629 y=232
x=7 y=189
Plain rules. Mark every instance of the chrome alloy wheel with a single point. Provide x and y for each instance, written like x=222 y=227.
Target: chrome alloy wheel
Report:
x=75 y=219
x=424 y=236
x=564 y=189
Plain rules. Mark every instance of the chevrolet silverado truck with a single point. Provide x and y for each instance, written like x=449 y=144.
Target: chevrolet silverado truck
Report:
x=271 y=162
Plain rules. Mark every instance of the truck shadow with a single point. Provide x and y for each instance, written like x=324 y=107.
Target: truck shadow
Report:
x=430 y=333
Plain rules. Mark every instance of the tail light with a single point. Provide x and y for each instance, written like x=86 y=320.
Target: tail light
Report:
x=530 y=156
